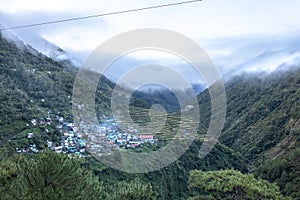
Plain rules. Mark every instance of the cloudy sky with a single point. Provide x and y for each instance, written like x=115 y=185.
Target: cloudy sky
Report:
x=237 y=35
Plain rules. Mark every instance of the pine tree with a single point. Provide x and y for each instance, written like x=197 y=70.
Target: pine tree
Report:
x=231 y=184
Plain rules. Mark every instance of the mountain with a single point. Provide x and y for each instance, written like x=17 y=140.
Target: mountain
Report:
x=266 y=61
x=54 y=52
x=262 y=124
x=40 y=45
x=155 y=94
x=198 y=88
x=34 y=86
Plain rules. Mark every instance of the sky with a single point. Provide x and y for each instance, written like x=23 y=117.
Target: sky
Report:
x=247 y=35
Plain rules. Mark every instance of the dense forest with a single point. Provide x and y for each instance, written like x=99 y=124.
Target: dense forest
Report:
x=262 y=124
x=257 y=156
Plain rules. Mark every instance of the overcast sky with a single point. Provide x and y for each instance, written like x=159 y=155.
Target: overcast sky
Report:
x=236 y=34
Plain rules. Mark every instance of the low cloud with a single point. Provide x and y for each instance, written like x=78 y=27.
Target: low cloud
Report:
x=238 y=35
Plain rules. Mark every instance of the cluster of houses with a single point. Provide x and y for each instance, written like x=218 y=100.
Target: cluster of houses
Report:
x=107 y=136
x=71 y=140
x=129 y=139
x=31 y=149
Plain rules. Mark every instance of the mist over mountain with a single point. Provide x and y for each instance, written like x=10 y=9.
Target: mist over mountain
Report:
x=231 y=55
x=168 y=98
x=37 y=44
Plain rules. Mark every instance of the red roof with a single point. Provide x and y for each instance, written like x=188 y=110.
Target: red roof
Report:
x=146 y=136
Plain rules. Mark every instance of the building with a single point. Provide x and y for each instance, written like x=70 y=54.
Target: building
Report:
x=146 y=137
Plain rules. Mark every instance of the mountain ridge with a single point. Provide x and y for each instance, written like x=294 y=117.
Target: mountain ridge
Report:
x=41 y=45
x=262 y=124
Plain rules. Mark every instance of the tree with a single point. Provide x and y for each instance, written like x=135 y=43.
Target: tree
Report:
x=133 y=190
x=231 y=184
x=50 y=175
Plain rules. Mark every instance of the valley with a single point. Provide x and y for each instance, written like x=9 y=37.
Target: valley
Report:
x=259 y=144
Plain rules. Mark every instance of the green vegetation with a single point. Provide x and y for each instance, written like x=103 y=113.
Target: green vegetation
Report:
x=53 y=176
x=30 y=82
x=163 y=97
x=33 y=86
x=231 y=184
x=262 y=124
x=47 y=176
x=284 y=170
x=171 y=182
x=265 y=111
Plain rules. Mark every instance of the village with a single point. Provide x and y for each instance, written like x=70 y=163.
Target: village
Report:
x=131 y=138
x=107 y=136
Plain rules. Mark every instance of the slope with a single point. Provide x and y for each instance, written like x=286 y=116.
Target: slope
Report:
x=34 y=86
x=262 y=124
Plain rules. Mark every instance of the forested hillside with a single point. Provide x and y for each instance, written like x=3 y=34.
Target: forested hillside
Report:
x=34 y=86
x=30 y=82
x=262 y=124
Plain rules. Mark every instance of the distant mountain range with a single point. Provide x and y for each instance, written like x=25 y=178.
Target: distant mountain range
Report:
x=239 y=62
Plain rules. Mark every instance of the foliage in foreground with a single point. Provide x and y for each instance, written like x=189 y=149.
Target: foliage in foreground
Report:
x=54 y=176
x=231 y=184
